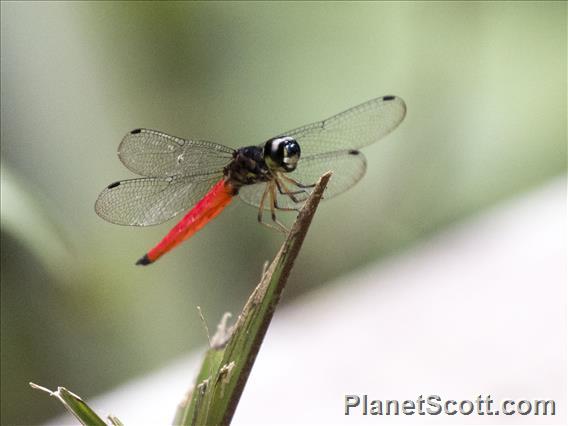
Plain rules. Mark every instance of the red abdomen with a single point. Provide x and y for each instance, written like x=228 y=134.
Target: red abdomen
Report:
x=206 y=209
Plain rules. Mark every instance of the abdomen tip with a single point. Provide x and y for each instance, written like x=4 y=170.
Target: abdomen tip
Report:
x=144 y=260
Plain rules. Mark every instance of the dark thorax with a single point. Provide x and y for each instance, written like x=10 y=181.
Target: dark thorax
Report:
x=256 y=164
x=247 y=167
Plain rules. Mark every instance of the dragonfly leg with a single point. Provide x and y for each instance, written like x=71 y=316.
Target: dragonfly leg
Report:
x=280 y=227
x=295 y=182
x=273 y=207
x=261 y=206
x=299 y=184
x=285 y=191
x=289 y=194
x=286 y=209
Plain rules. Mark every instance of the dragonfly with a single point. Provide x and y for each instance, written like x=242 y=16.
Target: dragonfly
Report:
x=204 y=177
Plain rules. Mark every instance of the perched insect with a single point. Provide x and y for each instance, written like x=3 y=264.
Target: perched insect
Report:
x=277 y=175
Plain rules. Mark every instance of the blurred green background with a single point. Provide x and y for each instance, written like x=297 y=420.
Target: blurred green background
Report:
x=485 y=85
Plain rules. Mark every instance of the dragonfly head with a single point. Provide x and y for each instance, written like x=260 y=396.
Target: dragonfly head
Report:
x=282 y=153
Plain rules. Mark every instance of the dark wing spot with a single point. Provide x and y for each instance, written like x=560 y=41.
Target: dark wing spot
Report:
x=353 y=152
x=388 y=98
x=113 y=185
x=135 y=131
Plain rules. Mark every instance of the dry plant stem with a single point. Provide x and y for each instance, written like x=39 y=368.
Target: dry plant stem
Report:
x=284 y=261
x=226 y=368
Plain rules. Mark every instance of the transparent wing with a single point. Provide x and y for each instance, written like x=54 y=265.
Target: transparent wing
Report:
x=348 y=166
x=357 y=127
x=150 y=201
x=153 y=153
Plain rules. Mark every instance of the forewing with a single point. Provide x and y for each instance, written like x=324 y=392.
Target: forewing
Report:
x=150 y=201
x=152 y=153
x=357 y=127
x=348 y=166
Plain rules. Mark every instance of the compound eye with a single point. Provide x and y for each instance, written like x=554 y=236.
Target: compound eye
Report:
x=282 y=153
x=291 y=155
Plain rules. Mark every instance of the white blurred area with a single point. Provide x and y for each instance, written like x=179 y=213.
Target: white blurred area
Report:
x=478 y=309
